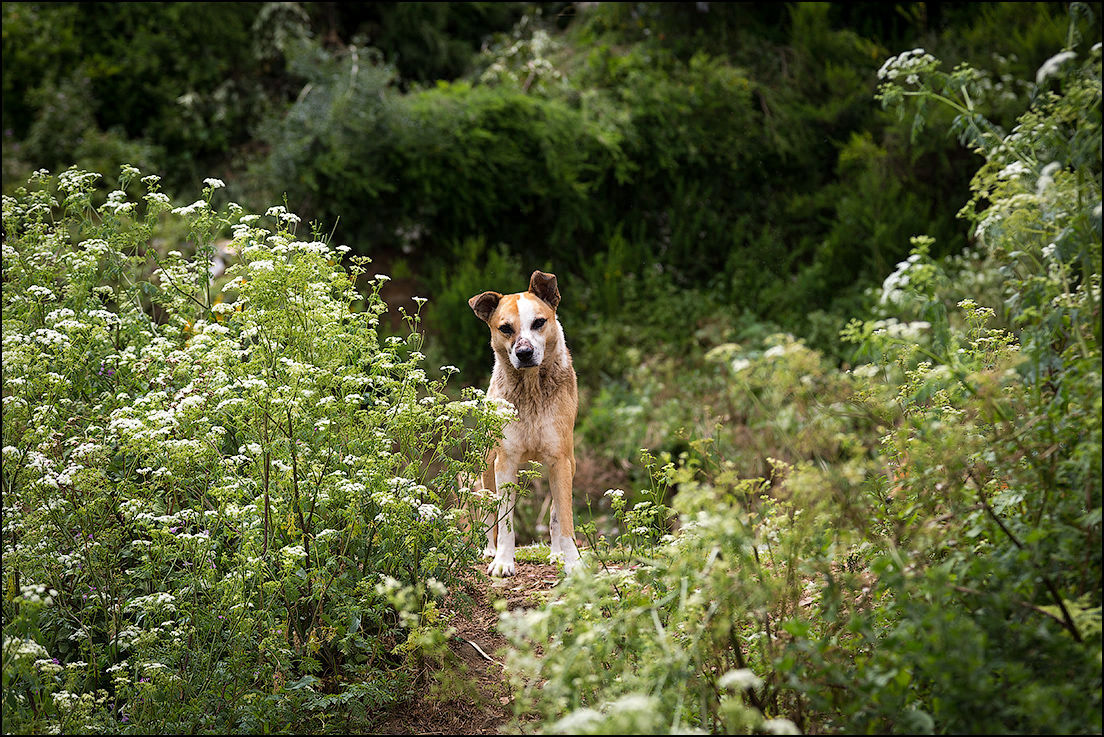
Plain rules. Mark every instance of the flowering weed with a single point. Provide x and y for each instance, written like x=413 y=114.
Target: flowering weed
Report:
x=207 y=476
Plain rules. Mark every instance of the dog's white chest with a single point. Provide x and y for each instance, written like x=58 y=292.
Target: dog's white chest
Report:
x=532 y=437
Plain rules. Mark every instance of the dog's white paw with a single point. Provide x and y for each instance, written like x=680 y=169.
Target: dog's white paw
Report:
x=489 y=551
x=572 y=562
x=501 y=568
x=564 y=551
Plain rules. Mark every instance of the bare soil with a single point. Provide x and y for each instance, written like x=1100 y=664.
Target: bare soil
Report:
x=469 y=694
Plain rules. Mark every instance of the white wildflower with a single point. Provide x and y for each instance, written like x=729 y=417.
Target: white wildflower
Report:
x=1051 y=66
x=436 y=587
x=779 y=726
x=1046 y=177
x=17 y=649
x=1013 y=171
x=739 y=365
x=739 y=680
x=44 y=665
x=907 y=64
x=190 y=209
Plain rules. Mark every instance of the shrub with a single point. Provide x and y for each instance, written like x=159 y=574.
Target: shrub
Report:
x=75 y=74
x=939 y=569
x=213 y=497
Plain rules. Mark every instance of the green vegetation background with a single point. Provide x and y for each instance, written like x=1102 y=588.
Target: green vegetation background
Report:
x=644 y=152
x=721 y=194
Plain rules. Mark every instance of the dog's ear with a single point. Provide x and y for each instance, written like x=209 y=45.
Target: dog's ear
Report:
x=484 y=305
x=544 y=286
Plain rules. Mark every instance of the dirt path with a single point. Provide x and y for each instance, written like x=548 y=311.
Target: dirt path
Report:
x=478 y=700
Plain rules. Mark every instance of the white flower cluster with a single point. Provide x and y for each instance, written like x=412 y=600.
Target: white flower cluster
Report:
x=1053 y=65
x=48 y=666
x=739 y=680
x=153 y=602
x=894 y=284
x=523 y=62
x=909 y=64
x=192 y=209
x=74 y=180
x=281 y=213
x=37 y=594
x=1015 y=170
x=17 y=648
x=504 y=408
x=1046 y=177
x=117 y=203
x=894 y=328
x=157 y=200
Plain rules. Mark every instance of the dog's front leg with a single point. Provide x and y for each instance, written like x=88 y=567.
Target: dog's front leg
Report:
x=491 y=517
x=505 y=474
x=561 y=476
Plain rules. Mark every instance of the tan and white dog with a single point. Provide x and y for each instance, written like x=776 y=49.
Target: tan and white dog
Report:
x=533 y=372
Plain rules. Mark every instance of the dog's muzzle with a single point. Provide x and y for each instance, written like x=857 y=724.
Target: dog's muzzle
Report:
x=523 y=351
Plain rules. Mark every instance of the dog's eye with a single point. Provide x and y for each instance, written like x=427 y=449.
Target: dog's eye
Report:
x=539 y=323
x=506 y=330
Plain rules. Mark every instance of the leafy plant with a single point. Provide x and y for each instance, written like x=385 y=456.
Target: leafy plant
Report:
x=927 y=557
x=212 y=474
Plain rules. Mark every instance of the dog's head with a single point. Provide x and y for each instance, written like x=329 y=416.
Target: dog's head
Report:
x=524 y=329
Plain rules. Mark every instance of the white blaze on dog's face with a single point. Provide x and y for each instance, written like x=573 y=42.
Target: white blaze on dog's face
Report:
x=524 y=330
x=525 y=325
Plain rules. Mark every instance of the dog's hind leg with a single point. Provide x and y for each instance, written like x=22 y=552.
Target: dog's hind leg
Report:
x=554 y=529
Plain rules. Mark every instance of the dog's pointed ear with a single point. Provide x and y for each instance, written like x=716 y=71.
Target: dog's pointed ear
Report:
x=484 y=305
x=544 y=286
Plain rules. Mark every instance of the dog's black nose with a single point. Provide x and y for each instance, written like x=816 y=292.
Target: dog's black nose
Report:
x=524 y=353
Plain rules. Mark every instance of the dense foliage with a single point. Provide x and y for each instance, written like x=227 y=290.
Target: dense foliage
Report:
x=922 y=552
x=834 y=306
x=214 y=490
x=736 y=145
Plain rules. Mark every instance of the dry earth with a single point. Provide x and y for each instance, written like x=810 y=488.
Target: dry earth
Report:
x=482 y=705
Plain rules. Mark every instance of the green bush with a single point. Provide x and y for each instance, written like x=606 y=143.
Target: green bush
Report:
x=226 y=502
x=929 y=558
x=761 y=173
x=424 y=42
x=76 y=73
x=737 y=146
x=435 y=167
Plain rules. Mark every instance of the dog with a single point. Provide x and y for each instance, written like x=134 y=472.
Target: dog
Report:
x=534 y=373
